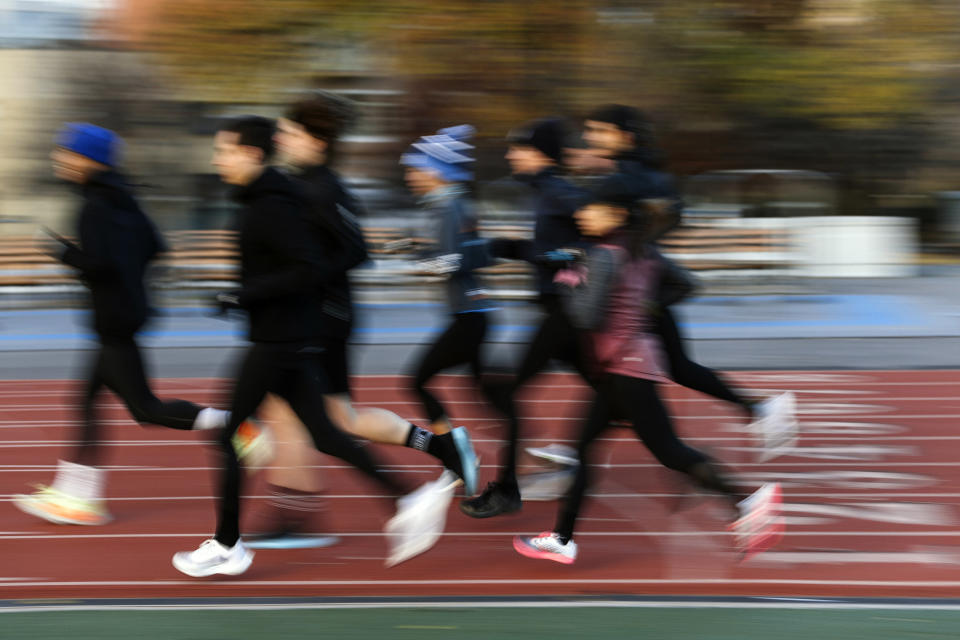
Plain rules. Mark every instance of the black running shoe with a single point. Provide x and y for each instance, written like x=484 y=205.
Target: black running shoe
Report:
x=496 y=499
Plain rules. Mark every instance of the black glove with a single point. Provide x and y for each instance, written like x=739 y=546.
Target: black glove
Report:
x=51 y=243
x=560 y=257
x=227 y=300
x=511 y=248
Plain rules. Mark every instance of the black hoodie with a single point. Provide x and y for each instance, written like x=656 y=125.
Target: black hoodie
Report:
x=648 y=181
x=554 y=224
x=333 y=216
x=280 y=267
x=117 y=241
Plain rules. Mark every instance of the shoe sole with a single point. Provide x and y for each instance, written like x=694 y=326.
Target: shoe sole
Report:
x=27 y=504
x=525 y=549
x=230 y=569
x=297 y=541
x=480 y=515
x=468 y=459
x=565 y=457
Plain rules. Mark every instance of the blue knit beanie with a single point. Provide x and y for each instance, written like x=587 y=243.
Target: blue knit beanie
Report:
x=444 y=153
x=99 y=144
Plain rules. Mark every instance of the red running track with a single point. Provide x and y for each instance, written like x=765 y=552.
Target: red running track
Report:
x=872 y=493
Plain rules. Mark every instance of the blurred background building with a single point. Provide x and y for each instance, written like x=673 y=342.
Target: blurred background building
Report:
x=764 y=107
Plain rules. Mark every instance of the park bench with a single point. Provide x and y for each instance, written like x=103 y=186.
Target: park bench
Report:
x=207 y=259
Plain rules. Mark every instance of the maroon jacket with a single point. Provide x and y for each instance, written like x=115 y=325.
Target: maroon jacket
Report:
x=610 y=298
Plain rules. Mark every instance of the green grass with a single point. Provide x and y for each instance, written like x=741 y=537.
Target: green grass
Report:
x=483 y=623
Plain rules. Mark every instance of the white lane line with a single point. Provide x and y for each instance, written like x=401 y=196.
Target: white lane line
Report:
x=18 y=579
x=812 y=440
x=937 y=558
x=509 y=534
x=240 y=583
x=773 y=466
x=833 y=495
x=8 y=497
x=679 y=416
x=58 y=403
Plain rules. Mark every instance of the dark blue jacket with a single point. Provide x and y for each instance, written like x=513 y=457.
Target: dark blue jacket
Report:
x=650 y=183
x=452 y=222
x=554 y=225
x=116 y=243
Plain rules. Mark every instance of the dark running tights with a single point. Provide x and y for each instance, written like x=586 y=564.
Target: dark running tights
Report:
x=556 y=339
x=637 y=400
x=688 y=373
x=294 y=374
x=117 y=365
x=459 y=344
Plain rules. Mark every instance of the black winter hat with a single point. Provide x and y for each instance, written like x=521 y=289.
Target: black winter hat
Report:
x=623 y=117
x=546 y=135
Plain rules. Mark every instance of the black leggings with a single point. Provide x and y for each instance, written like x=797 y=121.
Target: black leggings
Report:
x=459 y=344
x=117 y=365
x=556 y=339
x=293 y=373
x=688 y=373
x=636 y=400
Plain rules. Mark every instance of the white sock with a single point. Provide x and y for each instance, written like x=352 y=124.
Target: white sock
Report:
x=80 y=481
x=211 y=418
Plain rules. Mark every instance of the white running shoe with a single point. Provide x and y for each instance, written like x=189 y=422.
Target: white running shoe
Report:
x=761 y=523
x=557 y=454
x=776 y=428
x=420 y=519
x=212 y=557
x=58 y=507
x=546 y=546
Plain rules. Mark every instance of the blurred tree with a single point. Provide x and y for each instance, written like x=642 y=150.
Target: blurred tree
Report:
x=228 y=50
x=494 y=62
x=805 y=83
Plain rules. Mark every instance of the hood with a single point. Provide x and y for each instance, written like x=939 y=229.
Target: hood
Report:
x=270 y=182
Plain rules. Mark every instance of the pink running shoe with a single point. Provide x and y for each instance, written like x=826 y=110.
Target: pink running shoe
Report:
x=546 y=546
x=761 y=523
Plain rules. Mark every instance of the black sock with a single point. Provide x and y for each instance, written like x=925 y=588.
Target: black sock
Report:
x=441 y=447
x=419 y=438
x=508 y=482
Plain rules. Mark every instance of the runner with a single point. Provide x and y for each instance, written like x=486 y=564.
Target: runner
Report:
x=307 y=139
x=437 y=168
x=116 y=242
x=610 y=297
x=623 y=136
x=280 y=272
x=535 y=155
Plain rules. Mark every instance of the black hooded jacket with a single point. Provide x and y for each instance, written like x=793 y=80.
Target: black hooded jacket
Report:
x=333 y=216
x=280 y=266
x=554 y=224
x=116 y=243
x=648 y=182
